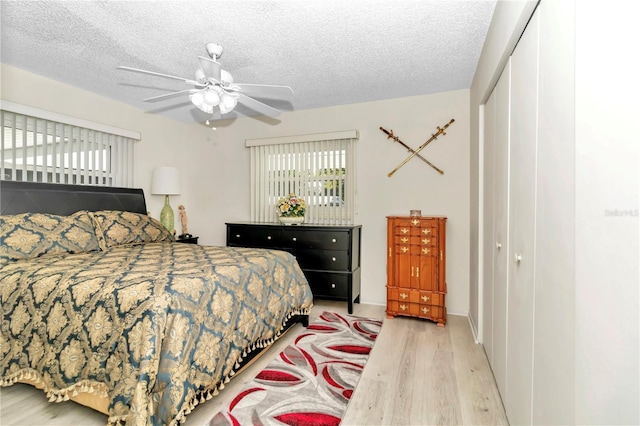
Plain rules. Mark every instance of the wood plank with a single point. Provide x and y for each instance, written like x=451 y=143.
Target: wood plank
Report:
x=417 y=373
x=480 y=401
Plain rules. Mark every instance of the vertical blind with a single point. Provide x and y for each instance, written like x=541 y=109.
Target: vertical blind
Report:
x=42 y=150
x=318 y=168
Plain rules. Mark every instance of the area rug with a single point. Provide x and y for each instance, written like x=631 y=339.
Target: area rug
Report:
x=311 y=381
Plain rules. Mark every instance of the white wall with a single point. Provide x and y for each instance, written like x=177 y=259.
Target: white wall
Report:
x=224 y=173
x=607 y=201
x=164 y=142
x=214 y=165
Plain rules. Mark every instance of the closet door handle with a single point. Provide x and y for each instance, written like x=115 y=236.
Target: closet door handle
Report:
x=498 y=246
x=517 y=258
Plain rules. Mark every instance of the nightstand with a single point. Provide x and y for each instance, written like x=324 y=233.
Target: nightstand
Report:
x=190 y=240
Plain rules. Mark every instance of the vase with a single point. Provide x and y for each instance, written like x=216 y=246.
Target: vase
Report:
x=291 y=220
x=166 y=215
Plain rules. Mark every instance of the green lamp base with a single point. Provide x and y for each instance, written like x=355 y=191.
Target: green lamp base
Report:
x=166 y=215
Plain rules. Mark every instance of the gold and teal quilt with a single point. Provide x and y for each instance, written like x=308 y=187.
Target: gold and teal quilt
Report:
x=155 y=328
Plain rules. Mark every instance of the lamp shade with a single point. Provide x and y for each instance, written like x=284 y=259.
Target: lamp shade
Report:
x=165 y=181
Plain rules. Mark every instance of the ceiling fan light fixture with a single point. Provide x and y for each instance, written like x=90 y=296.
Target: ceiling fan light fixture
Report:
x=197 y=99
x=214 y=50
x=214 y=88
x=227 y=103
x=206 y=108
x=211 y=97
x=200 y=76
x=226 y=77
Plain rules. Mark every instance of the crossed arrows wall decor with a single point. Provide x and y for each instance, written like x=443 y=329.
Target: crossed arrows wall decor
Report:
x=415 y=153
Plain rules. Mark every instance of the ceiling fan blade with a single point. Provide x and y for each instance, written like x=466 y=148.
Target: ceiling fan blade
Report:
x=211 y=68
x=257 y=106
x=263 y=90
x=186 y=80
x=168 y=95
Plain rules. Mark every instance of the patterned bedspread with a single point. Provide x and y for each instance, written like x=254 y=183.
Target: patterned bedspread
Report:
x=155 y=328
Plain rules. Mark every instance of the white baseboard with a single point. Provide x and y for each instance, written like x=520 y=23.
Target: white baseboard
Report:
x=474 y=329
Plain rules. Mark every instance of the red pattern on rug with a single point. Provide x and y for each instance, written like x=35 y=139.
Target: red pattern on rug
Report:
x=311 y=381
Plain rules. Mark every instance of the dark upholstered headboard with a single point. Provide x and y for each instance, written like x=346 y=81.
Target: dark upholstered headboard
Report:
x=62 y=199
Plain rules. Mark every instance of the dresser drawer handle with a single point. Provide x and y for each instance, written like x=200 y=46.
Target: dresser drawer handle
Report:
x=333 y=258
x=403 y=307
x=269 y=237
x=403 y=295
x=333 y=240
x=333 y=285
x=425 y=310
x=294 y=239
x=237 y=235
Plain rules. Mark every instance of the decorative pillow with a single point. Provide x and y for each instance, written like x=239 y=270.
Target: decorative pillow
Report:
x=114 y=228
x=29 y=235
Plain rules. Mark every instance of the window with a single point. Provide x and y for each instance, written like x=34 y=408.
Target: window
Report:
x=318 y=168
x=39 y=146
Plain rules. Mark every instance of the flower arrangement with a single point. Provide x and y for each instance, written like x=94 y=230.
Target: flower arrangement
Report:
x=291 y=206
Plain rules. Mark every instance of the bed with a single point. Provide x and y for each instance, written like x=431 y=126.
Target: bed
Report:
x=101 y=306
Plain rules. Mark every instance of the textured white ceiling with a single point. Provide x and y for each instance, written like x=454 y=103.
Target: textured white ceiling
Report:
x=329 y=52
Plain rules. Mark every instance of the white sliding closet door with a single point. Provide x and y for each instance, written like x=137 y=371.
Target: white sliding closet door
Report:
x=488 y=238
x=496 y=227
x=554 y=348
x=500 y=247
x=522 y=232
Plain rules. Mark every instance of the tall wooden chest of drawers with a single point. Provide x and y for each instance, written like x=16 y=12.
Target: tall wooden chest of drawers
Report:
x=416 y=274
x=328 y=255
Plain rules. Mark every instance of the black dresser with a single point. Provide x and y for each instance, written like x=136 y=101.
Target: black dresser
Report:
x=328 y=255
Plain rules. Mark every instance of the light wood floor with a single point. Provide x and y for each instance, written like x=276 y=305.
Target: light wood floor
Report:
x=417 y=374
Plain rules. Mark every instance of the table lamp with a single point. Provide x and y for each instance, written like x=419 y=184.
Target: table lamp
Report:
x=166 y=181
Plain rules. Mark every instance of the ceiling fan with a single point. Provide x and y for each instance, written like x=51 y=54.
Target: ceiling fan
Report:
x=214 y=91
